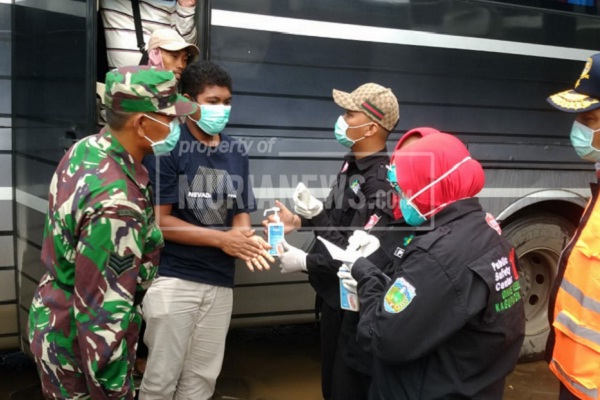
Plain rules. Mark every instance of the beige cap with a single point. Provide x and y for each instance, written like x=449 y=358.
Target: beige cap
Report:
x=376 y=101
x=169 y=39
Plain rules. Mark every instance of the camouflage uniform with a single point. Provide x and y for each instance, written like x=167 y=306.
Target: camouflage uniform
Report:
x=101 y=250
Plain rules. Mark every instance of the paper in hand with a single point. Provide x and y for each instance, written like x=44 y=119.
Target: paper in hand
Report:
x=337 y=253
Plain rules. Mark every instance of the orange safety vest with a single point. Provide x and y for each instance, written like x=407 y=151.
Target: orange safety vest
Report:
x=576 y=355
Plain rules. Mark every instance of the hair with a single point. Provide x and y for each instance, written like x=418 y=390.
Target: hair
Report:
x=197 y=76
x=117 y=119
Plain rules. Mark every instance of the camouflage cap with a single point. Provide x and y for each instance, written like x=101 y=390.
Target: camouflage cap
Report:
x=145 y=89
x=377 y=102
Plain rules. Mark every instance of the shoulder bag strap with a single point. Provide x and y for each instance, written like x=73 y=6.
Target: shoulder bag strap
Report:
x=139 y=33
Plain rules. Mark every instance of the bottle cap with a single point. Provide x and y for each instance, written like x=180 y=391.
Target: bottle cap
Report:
x=275 y=210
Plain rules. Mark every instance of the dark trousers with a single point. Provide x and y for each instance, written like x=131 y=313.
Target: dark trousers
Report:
x=331 y=320
x=348 y=384
x=142 y=349
x=565 y=394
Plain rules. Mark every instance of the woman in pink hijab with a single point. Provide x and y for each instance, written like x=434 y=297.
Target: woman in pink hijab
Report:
x=447 y=320
x=406 y=139
x=441 y=172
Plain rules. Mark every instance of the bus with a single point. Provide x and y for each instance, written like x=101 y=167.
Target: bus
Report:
x=478 y=69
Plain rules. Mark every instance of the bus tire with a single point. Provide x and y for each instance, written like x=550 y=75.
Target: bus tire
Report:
x=538 y=240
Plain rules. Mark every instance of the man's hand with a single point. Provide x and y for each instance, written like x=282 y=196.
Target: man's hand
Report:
x=239 y=243
x=292 y=258
x=260 y=262
x=290 y=221
x=305 y=203
x=187 y=3
x=347 y=280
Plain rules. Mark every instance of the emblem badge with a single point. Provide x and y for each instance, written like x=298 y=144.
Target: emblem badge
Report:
x=399 y=296
x=355 y=186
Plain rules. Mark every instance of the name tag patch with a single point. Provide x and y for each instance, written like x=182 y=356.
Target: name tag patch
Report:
x=399 y=296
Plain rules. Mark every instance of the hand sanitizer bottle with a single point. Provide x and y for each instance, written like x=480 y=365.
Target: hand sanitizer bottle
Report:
x=275 y=230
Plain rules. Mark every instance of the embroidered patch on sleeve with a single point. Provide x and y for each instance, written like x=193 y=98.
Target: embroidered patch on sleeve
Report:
x=399 y=296
x=119 y=264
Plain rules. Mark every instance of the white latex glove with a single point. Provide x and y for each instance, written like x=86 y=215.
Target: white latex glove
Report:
x=347 y=280
x=306 y=204
x=363 y=243
x=291 y=258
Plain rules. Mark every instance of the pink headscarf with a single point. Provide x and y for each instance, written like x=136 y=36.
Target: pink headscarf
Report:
x=428 y=159
x=422 y=132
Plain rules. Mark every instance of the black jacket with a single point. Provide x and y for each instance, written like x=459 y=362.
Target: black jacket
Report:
x=393 y=242
x=360 y=193
x=449 y=322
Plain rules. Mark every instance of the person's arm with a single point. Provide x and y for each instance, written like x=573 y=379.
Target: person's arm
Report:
x=235 y=242
x=184 y=21
x=407 y=315
x=107 y=263
x=372 y=212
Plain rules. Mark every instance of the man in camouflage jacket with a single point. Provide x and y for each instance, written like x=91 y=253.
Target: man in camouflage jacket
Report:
x=101 y=243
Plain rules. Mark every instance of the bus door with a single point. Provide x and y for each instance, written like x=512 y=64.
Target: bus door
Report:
x=53 y=105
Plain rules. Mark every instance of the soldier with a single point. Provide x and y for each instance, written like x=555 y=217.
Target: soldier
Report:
x=101 y=242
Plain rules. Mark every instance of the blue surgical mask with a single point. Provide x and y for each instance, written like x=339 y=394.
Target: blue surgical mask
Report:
x=213 y=118
x=341 y=126
x=581 y=138
x=411 y=215
x=167 y=144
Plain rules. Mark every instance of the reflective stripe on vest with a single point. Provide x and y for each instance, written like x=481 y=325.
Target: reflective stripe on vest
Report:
x=578 y=330
x=585 y=301
x=591 y=393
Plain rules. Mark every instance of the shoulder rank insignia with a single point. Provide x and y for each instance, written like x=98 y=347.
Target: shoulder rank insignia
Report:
x=119 y=264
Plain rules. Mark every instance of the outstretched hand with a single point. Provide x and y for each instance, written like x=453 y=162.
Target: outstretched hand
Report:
x=260 y=262
x=290 y=221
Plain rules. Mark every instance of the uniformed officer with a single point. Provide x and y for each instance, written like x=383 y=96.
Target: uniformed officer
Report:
x=101 y=242
x=448 y=321
x=572 y=350
x=360 y=199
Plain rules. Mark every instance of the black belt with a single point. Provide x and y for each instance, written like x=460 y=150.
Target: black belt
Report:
x=137 y=297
